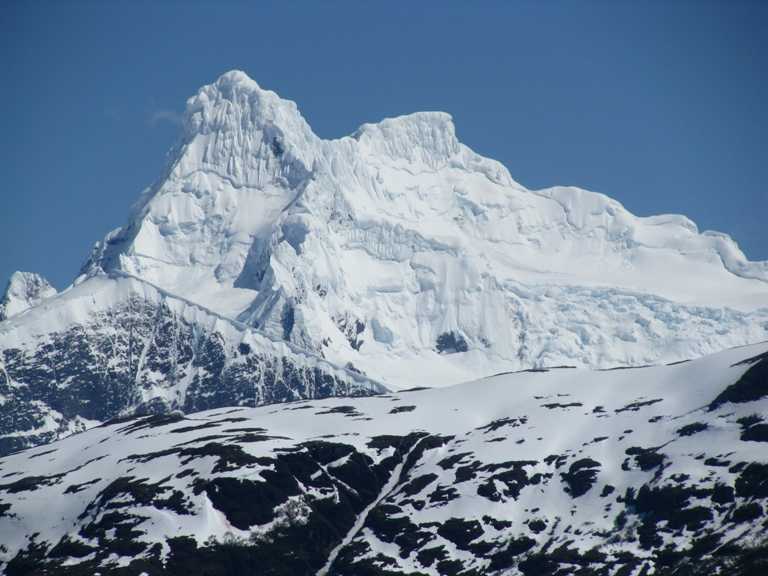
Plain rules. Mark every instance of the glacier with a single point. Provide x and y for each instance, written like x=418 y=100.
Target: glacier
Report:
x=371 y=249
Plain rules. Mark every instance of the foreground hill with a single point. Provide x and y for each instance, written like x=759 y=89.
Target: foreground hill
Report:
x=623 y=472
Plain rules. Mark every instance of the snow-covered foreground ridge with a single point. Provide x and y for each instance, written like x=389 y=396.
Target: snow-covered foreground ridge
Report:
x=396 y=245
x=658 y=470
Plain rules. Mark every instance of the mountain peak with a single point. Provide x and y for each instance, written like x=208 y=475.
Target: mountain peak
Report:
x=429 y=137
x=236 y=103
x=237 y=78
x=245 y=134
x=24 y=290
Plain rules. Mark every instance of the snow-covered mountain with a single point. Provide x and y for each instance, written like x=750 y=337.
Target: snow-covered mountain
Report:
x=400 y=250
x=268 y=265
x=659 y=470
x=395 y=255
x=24 y=290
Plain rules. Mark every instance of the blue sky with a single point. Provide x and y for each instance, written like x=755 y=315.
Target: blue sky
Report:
x=661 y=105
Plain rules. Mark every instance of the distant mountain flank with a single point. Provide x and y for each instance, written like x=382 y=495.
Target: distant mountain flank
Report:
x=117 y=345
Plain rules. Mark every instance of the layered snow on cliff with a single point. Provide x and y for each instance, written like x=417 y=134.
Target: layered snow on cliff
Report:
x=24 y=290
x=400 y=250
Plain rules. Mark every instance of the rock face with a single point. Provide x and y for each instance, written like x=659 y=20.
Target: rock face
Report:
x=650 y=470
x=373 y=248
x=112 y=346
x=24 y=290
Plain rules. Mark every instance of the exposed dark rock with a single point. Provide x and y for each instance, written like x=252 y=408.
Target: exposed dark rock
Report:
x=400 y=409
x=503 y=422
x=607 y=490
x=553 y=405
x=751 y=482
x=451 y=343
x=756 y=433
x=646 y=458
x=580 y=477
x=635 y=406
x=747 y=512
x=752 y=385
x=691 y=429
x=460 y=532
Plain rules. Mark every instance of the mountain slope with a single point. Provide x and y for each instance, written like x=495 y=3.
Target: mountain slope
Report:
x=622 y=472
x=402 y=251
x=111 y=346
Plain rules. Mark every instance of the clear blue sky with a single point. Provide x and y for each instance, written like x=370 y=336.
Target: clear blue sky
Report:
x=662 y=105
